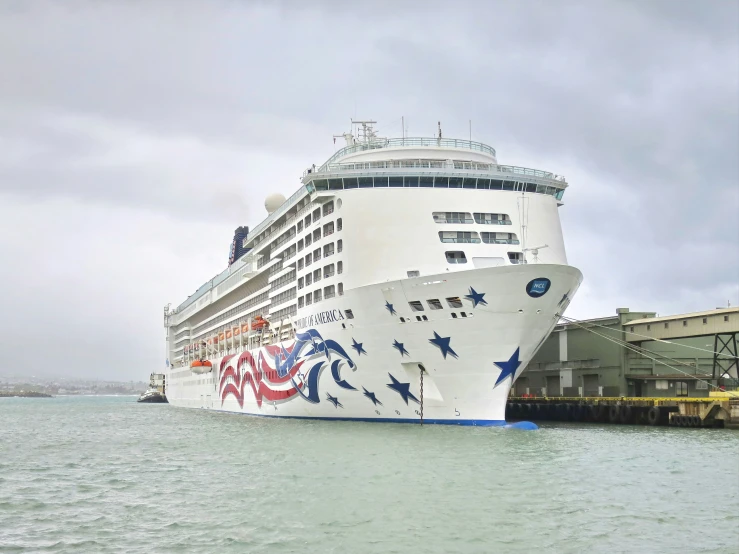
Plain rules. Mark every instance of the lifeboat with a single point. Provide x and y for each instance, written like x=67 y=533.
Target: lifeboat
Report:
x=201 y=366
x=210 y=341
x=237 y=332
x=228 y=334
x=215 y=339
x=221 y=336
x=259 y=322
x=245 y=328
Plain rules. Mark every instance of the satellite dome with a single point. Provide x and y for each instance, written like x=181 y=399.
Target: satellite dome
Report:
x=273 y=201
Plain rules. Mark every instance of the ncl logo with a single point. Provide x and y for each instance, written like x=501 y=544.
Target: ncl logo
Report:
x=538 y=287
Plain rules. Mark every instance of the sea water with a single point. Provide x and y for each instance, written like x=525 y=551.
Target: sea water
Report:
x=105 y=474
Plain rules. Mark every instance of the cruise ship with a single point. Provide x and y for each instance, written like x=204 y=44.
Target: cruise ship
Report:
x=407 y=280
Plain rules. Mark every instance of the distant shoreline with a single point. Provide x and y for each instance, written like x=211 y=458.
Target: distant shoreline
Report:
x=24 y=394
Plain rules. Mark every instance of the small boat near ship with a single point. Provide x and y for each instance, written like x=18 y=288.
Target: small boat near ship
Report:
x=155 y=394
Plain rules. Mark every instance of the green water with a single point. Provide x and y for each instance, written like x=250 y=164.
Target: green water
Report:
x=110 y=475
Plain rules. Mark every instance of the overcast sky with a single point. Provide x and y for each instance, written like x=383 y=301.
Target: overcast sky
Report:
x=135 y=136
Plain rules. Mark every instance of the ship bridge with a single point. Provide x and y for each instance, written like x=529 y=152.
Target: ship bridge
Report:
x=368 y=161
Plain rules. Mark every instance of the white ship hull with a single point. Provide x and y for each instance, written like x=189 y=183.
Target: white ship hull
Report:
x=369 y=367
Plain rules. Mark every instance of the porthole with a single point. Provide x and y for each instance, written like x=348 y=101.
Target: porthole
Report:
x=463 y=314
x=454 y=316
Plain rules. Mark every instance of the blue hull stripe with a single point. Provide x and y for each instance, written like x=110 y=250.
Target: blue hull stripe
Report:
x=465 y=422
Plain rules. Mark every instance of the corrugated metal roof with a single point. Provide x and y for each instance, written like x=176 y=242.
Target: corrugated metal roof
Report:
x=718 y=311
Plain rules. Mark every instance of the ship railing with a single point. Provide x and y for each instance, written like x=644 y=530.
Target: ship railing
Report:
x=411 y=141
x=457 y=240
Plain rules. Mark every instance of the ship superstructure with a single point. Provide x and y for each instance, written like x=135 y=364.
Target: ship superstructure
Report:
x=405 y=278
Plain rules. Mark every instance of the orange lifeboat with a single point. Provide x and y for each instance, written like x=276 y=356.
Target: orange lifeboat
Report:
x=228 y=334
x=197 y=363
x=215 y=339
x=206 y=363
x=201 y=366
x=210 y=340
x=259 y=322
x=237 y=332
x=245 y=328
x=221 y=336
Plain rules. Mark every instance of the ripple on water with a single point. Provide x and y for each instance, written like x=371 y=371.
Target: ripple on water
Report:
x=112 y=475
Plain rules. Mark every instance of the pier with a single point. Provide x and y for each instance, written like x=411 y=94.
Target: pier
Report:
x=711 y=412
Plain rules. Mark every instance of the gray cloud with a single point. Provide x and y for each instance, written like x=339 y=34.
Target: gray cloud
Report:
x=135 y=136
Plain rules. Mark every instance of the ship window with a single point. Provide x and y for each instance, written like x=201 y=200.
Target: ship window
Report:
x=320 y=184
x=329 y=292
x=317 y=254
x=414 y=273
x=301 y=302
x=515 y=257
x=685 y=323
x=309 y=279
x=307 y=220
x=508 y=185
x=328 y=208
x=308 y=239
x=416 y=306
x=328 y=250
x=424 y=318
x=301 y=283
x=410 y=181
x=381 y=181
x=339 y=224
x=463 y=314
x=300 y=263
x=418 y=318
x=341 y=289
x=365 y=182
x=705 y=320
x=316 y=275
x=339 y=245
x=301 y=244
x=470 y=182
x=492 y=219
x=454 y=316
x=441 y=182
x=339 y=267
x=455 y=182
x=426 y=182
x=308 y=299
x=667 y=325
x=649 y=327
x=454 y=302
x=328 y=271
x=499 y=238
x=316 y=235
x=726 y=318
x=456 y=257
x=396 y=181
x=300 y=226
x=308 y=259
x=335 y=184
x=435 y=304
x=452 y=217
x=349 y=314
x=483 y=184
x=328 y=229
x=530 y=187
x=459 y=237
x=350 y=182
x=316 y=214
x=317 y=295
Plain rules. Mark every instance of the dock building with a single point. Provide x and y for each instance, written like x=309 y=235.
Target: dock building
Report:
x=637 y=354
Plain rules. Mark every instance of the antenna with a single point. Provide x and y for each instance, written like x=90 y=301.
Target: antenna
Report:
x=367 y=133
x=439 y=124
x=535 y=251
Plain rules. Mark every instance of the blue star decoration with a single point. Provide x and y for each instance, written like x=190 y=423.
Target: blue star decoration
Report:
x=508 y=368
x=371 y=396
x=358 y=347
x=403 y=389
x=401 y=348
x=443 y=344
x=389 y=307
x=334 y=401
x=476 y=298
